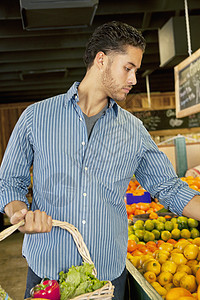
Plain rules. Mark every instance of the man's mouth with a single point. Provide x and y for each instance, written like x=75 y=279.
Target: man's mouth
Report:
x=127 y=89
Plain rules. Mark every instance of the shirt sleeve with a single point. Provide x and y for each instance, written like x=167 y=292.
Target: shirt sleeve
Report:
x=16 y=163
x=157 y=175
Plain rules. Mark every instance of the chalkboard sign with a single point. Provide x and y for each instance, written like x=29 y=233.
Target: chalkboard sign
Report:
x=187 y=86
x=166 y=119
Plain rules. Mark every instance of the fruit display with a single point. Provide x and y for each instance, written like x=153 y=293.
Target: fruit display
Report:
x=142 y=208
x=167 y=253
x=164 y=229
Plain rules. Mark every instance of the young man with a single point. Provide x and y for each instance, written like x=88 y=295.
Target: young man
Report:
x=84 y=150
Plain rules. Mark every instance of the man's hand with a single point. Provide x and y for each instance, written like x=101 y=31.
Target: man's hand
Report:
x=35 y=221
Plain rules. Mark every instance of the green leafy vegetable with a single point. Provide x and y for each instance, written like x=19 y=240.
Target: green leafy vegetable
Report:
x=78 y=280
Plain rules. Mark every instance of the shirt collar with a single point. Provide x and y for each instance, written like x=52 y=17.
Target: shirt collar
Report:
x=73 y=92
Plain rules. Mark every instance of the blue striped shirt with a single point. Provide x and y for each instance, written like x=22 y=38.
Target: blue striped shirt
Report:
x=83 y=181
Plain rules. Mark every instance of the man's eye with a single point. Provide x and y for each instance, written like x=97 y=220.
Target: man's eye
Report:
x=127 y=69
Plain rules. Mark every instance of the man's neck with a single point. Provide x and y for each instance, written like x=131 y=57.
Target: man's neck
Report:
x=91 y=98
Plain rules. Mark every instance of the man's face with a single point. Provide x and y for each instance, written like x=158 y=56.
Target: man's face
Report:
x=119 y=75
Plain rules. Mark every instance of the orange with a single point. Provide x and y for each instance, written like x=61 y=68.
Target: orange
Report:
x=131 y=245
x=153 y=215
x=176 y=293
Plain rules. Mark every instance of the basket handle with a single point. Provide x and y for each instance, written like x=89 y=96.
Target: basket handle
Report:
x=78 y=239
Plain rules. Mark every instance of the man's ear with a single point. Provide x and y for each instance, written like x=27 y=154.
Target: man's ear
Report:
x=100 y=59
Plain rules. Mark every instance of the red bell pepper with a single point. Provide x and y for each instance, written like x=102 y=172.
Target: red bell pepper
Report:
x=47 y=289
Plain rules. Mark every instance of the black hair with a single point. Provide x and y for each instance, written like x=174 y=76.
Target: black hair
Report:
x=112 y=36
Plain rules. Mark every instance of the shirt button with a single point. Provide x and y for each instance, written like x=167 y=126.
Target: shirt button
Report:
x=84 y=194
x=83 y=143
x=76 y=96
x=86 y=168
x=80 y=119
x=83 y=222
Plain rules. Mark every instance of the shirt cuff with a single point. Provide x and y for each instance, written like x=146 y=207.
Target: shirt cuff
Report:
x=181 y=200
x=10 y=196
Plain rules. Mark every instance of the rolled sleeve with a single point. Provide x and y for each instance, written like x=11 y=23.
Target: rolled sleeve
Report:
x=17 y=160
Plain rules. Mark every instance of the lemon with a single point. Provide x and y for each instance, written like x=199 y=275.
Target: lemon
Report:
x=194 y=233
x=191 y=263
x=135 y=260
x=153 y=266
x=144 y=258
x=169 y=226
x=195 y=268
x=189 y=283
x=161 y=290
x=165 y=235
x=185 y=234
x=169 y=286
x=164 y=278
x=161 y=256
x=150 y=276
x=177 y=277
x=192 y=223
x=196 y=241
x=176 y=233
x=149 y=225
x=166 y=246
x=169 y=266
x=184 y=268
x=191 y=251
x=181 y=244
x=178 y=258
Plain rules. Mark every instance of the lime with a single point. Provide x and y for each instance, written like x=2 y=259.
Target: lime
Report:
x=140 y=234
x=194 y=233
x=185 y=234
x=176 y=233
x=193 y=223
x=133 y=237
x=141 y=243
x=160 y=226
x=149 y=236
x=161 y=219
x=156 y=233
x=139 y=224
x=182 y=220
x=130 y=230
x=169 y=225
x=174 y=220
x=166 y=235
x=149 y=225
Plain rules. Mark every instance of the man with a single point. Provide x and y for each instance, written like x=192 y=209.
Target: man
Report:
x=84 y=150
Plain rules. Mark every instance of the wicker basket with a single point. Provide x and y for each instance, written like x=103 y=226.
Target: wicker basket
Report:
x=106 y=292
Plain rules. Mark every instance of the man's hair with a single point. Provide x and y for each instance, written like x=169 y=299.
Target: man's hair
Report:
x=112 y=36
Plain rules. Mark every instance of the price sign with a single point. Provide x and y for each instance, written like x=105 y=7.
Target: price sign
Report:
x=187 y=86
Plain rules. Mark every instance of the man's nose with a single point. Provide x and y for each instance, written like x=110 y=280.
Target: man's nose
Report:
x=132 y=80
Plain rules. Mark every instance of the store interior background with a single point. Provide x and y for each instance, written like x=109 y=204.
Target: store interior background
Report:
x=41 y=50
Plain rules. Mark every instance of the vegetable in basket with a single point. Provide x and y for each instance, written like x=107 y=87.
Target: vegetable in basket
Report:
x=47 y=289
x=78 y=280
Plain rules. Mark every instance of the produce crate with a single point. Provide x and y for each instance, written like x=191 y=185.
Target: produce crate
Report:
x=140 y=288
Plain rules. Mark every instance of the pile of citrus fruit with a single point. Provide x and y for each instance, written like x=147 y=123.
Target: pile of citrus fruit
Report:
x=164 y=229
x=167 y=253
x=142 y=208
x=193 y=182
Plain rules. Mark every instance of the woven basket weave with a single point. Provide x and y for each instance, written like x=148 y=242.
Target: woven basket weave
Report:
x=106 y=292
